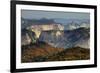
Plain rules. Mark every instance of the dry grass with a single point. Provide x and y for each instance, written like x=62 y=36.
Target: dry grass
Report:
x=42 y=52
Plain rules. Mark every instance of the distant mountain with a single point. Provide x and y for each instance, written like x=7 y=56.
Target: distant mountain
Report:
x=68 y=21
x=28 y=22
x=73 y=25
x=67 y=38
x=69 y=24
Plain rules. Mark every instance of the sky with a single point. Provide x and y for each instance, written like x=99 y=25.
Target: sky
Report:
x=37 y=14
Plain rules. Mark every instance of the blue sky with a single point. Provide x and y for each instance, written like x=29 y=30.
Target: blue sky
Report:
x=37 y=14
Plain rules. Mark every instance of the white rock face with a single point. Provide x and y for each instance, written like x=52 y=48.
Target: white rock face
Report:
x=39 y=28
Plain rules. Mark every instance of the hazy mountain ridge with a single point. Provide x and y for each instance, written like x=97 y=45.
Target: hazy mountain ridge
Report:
x=28 y=22
x=69 y=24
x=68 y=21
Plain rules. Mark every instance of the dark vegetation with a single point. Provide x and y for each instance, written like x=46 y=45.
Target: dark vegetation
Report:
x=42 y=52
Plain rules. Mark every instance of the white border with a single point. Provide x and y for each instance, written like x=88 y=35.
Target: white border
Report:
x=20 y=65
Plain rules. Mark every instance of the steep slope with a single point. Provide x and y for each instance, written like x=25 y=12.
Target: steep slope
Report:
x=27 y=37
x=67 y=38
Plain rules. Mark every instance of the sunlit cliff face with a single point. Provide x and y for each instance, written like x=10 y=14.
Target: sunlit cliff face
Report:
x=39 y=28
x=58 y=33
x=37 y=32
